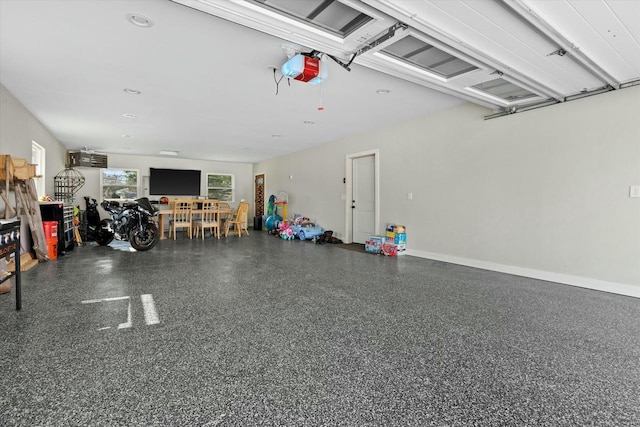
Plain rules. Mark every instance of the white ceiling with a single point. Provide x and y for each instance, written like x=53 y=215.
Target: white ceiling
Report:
x=207 y=79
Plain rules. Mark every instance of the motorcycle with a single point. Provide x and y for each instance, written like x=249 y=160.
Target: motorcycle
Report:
x=91 y=222
x=129 y=222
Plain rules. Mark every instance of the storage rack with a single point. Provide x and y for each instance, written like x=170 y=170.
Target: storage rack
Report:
x=63 y=215
x=66 y=184
x=68 y=227
x=10 y=242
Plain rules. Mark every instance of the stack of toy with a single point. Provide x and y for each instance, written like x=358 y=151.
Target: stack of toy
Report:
x=396 y=235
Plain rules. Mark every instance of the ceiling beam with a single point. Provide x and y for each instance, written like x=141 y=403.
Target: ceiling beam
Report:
x=545 y=29
x=464 y=50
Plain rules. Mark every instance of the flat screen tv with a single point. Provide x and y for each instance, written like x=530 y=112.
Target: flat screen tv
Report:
x=174 y=182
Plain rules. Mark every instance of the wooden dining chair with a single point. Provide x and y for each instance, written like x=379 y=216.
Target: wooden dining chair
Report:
x=239 y=220
x=225 y=215
x=182 y=217
x=208 y=219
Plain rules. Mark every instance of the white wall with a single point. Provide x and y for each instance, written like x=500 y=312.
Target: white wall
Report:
x=543 y=193
x=18 y=127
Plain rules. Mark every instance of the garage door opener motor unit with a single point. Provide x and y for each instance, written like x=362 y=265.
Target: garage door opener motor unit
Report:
x=305 y=68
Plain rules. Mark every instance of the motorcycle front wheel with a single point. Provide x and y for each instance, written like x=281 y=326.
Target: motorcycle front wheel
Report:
x=145 y=238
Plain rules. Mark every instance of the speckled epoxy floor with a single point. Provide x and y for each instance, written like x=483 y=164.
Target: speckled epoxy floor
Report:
x=260 y=331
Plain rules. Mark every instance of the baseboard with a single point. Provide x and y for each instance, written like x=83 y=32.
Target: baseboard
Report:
x=566 y=279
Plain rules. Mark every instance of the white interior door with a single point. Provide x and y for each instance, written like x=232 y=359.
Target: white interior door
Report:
x=364 y=199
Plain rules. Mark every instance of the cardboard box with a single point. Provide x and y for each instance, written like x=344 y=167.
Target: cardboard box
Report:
x=396 y=234
x=390 y=232
x=400 y=238
x=372 y=246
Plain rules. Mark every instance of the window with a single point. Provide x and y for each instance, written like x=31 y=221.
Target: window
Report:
x=119 y=184
x=38 y=155
x=220 y=186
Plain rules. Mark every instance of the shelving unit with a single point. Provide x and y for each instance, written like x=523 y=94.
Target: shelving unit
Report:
x=10 y=243
x=68 y=228
x=63 y=215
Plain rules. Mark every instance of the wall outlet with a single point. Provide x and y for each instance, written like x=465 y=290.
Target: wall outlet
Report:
x=410 y=196
x=634 y=191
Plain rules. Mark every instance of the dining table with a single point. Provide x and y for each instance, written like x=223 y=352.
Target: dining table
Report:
x=168 y=212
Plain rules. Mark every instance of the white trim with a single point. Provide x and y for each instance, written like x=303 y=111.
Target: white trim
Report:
x=566 y=279
x=348 y=224
x=40 y=160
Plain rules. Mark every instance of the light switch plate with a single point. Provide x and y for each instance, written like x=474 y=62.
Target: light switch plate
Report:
x=634 y=191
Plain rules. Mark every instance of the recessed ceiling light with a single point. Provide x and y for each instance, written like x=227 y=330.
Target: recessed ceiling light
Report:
x=169 y=153
x=132 y=91
x=383 y=91
x=139 y=20
x=309 y=122
x=129 y=116
x=126 y=136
